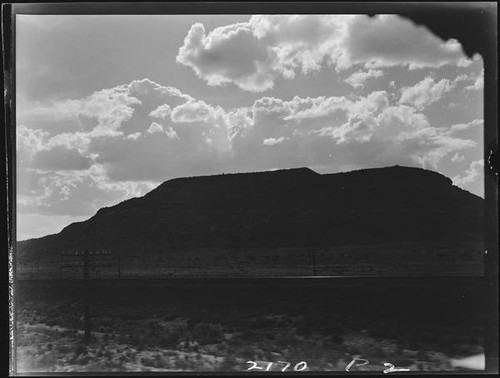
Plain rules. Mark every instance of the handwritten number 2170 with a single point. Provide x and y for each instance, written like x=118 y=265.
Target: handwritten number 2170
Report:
x=302 y=365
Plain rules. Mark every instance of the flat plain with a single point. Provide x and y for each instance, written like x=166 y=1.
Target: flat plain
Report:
x=419 y=323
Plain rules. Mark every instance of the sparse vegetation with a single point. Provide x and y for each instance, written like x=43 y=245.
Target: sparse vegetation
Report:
x=399 y=259
x=202 y=326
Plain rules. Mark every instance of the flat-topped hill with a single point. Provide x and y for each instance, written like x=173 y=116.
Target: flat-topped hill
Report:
x=295 y=208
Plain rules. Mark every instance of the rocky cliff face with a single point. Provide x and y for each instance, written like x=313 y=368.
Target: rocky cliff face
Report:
x=286 y=208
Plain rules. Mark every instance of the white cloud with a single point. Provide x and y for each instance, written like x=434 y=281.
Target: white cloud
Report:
x=332 y=133
x=457 y=158
x=192 y=111
x=358 y=78
x=465 y=126
x=29 y=141
x=73 y=192
x=149 y=91
x=155 y=128
x=441 y=146
x=61 y=158
x=108 y=107
x=253 y=55
x=228 y=54
x=171 y=133
x=389 y=40
x=75 y=122
x=367 y=130
x=369 y=104
x=197 y=131
x=77 y=140
x=478 y=83
x=134 y=136
x=471 y=174
x=473 y=178
x=273 y=141
x=300 y=109
x=425 y=92
x=163 y=111
x=460 y=78
x=35 y=149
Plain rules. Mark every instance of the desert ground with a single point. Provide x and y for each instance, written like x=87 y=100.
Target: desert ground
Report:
x=388 y=259
x=207 y=325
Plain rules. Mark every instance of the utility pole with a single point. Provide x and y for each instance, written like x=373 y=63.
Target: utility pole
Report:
x=85 y=263
x=119 y=264
x=313 y=258
x=86 y=299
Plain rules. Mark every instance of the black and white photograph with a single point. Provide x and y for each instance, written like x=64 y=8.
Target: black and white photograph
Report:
x=248 y=189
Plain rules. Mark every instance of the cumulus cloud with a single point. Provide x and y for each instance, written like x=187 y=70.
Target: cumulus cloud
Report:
x=253 y=55
x=473 y=178
x=77 y=140
x=389 y=40
x=61 y=158
x=273 y=141
x=156 y=94
x=107 y=109
x=35 y=149
x=29 y=142
x=155 y=128
x=478 y=83
x=300 y=108
x=70 y=173
x=461 y=78
x=357 y=79
x=228 y=54
x=72 y=192
x=436 y=146
x=457 y=158
x=134 y=136
x=425 y=92
x=163 y=111
x=192 y=111
x=170 y=134
x=202 y=138
x=458 y=127
x=471 y=174
x=337 y=130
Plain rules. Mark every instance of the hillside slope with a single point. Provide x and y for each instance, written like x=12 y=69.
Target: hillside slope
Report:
x=296 y=208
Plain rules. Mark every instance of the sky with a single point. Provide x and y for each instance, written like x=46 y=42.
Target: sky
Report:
x=110 y=106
